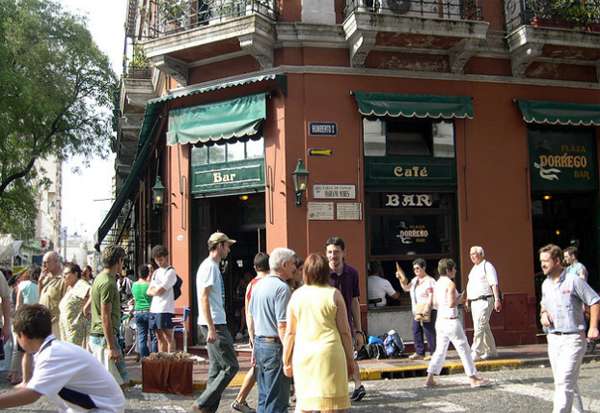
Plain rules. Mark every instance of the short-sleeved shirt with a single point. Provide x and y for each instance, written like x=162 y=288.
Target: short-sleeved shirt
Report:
x=104 y=291
x=481 y=279
x=268 y=305
x=421 y=292
x=379 y=287
x=142 y=300
x=163 y=278
x=51 y=293
x=577 y=269
x=347 y=283
x=564 y=300
x=209 y=275
x=66 y=372
x=28 y=290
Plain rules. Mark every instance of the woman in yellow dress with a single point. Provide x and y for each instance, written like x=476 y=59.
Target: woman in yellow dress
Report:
x=73 y=323
x=317 y=349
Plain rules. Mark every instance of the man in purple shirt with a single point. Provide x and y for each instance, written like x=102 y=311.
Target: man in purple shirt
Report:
x=345 y=278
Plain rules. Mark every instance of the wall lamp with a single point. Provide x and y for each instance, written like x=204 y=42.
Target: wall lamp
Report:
x=158 y=194
x=300 y=176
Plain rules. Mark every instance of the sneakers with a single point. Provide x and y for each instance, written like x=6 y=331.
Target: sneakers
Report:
x=358 y=394
x=415 y=356
x=487 y=356
x=427 y=358
x=242 y=407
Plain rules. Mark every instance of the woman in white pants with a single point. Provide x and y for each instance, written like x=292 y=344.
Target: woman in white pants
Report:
x=448 y=327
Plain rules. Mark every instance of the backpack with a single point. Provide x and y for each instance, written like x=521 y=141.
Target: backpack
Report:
x=376 y=351
x=393 y=344
x=177 y=285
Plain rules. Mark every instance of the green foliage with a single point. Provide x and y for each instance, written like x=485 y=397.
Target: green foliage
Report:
x=578 y=12
x=139 y=59
x=18 y=210
x=57 y=89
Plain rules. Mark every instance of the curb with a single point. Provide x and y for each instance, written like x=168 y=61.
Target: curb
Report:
x=414 y=370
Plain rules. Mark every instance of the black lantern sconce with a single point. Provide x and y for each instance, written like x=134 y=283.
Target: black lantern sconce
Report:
x=300 y=176
x=158 y=194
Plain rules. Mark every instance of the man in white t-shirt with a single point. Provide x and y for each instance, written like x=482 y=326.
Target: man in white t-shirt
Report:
x=483 y=297
x=378 y=287
x=66 y=374
x=162 y=307
x=223 y=364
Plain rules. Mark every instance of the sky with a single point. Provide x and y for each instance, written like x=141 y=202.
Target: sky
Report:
x=86 y=196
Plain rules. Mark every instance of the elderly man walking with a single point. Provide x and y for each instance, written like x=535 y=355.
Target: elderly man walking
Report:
x=563 y=297
x=483 y=297
x=267 y=324
x=223 y=364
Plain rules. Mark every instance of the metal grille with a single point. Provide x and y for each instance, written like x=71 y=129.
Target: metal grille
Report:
x=430 y=9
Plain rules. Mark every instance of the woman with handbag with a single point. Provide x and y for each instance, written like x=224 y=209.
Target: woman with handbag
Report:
x=421 y=297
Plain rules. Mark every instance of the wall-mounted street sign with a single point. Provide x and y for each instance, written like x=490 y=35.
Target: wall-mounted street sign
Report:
x=320 y=211
x=349 y=211
x=320 y=152
x=334 y=191
x=322 y=128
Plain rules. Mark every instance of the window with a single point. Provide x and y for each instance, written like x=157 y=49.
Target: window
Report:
x=229 y=152
x=407 y=137
x=216 y=153
x=255 y=149
x=235 y=151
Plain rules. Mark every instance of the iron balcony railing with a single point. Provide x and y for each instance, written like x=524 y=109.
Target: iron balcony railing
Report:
x=165 y=17
x=553 y=13
x=429 y=9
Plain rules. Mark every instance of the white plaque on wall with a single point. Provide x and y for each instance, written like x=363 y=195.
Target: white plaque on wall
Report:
x=349 y=211
x=320 y=211
x=334 y=191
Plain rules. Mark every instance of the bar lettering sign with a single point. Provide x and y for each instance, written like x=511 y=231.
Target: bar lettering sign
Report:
x=322 y=128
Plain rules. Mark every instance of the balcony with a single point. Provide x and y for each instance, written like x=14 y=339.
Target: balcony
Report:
x=545 y=35
x=450 y=29
x=184 y=32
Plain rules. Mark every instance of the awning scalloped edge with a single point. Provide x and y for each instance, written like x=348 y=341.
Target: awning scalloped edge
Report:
x=415 y=115
x=547 y=121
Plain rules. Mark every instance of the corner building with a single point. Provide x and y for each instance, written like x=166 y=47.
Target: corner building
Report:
x=426 y=127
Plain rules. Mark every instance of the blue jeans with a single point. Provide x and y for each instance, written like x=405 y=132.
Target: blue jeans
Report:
x=273 y=386
x=142 y=320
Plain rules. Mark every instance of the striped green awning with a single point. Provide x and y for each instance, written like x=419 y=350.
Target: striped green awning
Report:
x=559 y=113
x=215 y=122
x=414 y=106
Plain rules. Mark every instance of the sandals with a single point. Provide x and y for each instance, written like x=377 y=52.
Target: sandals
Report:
x=481 y=383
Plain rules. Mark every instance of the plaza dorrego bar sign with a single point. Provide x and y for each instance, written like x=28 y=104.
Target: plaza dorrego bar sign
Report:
x=562 y=163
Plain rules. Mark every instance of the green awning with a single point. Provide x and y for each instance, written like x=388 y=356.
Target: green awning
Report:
x=414 y=106
x=559 y=113
x=216 y=122
x=149 y=134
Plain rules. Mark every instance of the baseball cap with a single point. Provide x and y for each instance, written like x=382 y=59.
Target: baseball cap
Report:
x=218 y=237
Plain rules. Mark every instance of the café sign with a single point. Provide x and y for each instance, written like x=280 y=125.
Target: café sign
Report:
x=562 y=162
x=409 y=171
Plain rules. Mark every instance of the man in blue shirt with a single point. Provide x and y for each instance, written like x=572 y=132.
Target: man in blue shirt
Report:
x=266 y=325
x=563 y=296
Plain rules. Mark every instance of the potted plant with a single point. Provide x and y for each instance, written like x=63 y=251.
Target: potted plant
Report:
x=138 y=66
x=171 y=13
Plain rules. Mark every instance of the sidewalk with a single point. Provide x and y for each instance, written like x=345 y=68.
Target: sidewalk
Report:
x=512 y=357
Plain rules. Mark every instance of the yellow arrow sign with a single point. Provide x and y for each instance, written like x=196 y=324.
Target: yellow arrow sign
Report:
x=320 y=152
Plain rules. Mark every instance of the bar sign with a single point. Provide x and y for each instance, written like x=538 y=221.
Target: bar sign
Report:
x=322 y=128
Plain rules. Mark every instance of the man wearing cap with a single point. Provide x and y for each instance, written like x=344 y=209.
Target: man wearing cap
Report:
x=223 y=364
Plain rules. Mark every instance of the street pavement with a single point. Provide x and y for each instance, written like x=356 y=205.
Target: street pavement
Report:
x=520 y=390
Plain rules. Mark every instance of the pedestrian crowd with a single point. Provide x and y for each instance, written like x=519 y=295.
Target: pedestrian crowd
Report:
x=303 y=321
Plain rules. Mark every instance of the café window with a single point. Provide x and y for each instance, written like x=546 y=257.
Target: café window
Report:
x=408 y=137
x=228 y=152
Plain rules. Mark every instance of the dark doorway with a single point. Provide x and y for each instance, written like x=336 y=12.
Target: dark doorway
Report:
x=565 y=219
x=241 y=217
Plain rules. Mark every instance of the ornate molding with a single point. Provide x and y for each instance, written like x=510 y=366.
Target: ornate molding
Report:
x=461 y=53
x=522 y=57
x=177 y=69
x=361 y=43
x=260 y=47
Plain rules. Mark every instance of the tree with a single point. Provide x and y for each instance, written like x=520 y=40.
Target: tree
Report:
x=56 y=95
